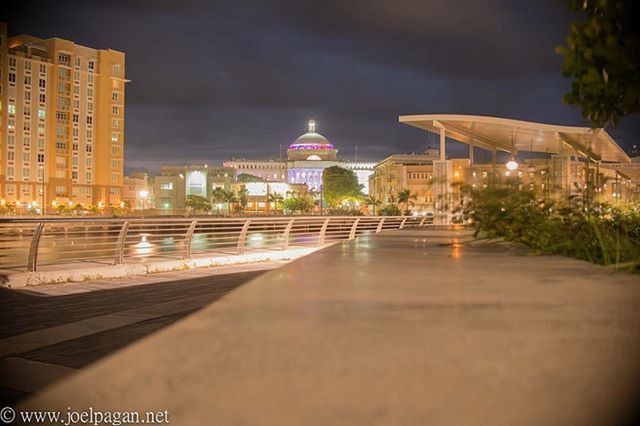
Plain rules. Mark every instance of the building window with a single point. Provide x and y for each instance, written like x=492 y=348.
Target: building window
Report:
x=41 y=113
x=115 y=150
x=166 y=185
x=88 y=148
x=89 y=120
x=42 y=97
x=43 y=69
x=77 y=62
x=114 y=110
x=12 y=77
x=42 y=83
x=64 y=59
x=25 y=173
x=40 y=158
x=40 y=143
x=114 y=137
x=11 y=108
x=115 y=69
x=114 y=177
x=74 y=175
x=27 y=95
x=114 y=123
x=114 y=164
x=114 y=96
x=91 y=66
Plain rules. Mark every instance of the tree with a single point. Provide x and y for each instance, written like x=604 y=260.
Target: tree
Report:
x=339 y=185
x=390 y=210
x=242 y=199
x=405 y=197
x=371 y=200
x=302 y=204
x=275 y=198
x=603 y=58
x=246 y=177
x=197 y=203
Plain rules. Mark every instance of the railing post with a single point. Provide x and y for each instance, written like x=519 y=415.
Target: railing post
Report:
x=119 y=255
x=285 y=236
x=422 y=221
x=403 y=222
x=243 y=236
x=323 y=230
x=354 y=227
x=186 y=254
x=379 y=228
x=32 y=260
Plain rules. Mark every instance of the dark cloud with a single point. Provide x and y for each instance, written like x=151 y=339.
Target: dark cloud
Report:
x=214 y=80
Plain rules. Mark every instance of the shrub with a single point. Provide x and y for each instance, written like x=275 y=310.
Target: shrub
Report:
x=599 y=233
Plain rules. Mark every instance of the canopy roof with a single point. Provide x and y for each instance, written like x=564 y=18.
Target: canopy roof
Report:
x=509 y=135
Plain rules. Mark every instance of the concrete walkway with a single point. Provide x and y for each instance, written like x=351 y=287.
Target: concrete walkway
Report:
x=406 y=327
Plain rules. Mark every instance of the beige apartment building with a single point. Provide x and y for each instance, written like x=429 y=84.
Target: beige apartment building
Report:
x=61 y=123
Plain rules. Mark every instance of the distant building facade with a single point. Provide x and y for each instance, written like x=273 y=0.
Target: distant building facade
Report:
x=307 y=157
x=136 y=191
x=556 y=175
x=174 y=184
x=61 y=122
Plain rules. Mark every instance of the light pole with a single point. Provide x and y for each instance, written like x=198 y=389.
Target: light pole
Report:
x=143 y=194
x=41 y=167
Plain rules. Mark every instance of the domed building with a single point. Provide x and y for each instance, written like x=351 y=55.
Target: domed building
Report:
x=307 y=157
x=312 y=146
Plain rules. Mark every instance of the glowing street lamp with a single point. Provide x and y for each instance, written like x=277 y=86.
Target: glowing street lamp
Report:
x=512 y=165
x=144 y=194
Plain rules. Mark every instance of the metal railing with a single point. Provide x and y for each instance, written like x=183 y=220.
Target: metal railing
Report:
x=29 y=244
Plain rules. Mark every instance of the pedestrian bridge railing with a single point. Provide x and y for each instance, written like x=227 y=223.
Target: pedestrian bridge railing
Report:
x=26 y=244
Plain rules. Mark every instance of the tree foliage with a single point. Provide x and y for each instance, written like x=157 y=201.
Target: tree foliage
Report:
x=297 y=204
x=246 y=177
x=390 y=210
x=405 y=197
x=340 y=184
x=197 y=203
x=602 y=56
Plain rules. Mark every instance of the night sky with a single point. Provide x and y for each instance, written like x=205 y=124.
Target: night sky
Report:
x=212 y=80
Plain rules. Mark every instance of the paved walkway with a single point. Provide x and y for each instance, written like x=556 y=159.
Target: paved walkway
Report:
x=405 y=327
x=47 y=332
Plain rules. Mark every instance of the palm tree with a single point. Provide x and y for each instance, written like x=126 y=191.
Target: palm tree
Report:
x=371 y=200
x=242 y=198
x=218 y=196
x=275 y=198
x=405 y=197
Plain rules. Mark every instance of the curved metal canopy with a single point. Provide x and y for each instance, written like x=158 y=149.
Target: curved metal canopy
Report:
x=509 y=135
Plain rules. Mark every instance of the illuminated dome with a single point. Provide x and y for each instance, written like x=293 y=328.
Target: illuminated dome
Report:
x=311 y=140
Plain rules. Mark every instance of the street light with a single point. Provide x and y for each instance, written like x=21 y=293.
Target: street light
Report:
x=41 y=167
x=512 y=165
x=143 y=194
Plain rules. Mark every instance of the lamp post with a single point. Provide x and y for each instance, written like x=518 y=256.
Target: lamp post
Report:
x=41 y=167
x=143 y=194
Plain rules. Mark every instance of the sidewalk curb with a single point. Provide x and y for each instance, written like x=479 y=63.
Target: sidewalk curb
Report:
x=25 y=279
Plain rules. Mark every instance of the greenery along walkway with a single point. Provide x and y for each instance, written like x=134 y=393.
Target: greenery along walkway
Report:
x=600 y=233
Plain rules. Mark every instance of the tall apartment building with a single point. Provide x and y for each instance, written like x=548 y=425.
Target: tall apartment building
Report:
x=61 y=123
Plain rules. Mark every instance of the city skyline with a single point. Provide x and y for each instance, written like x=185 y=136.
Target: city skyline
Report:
x=235 y=80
